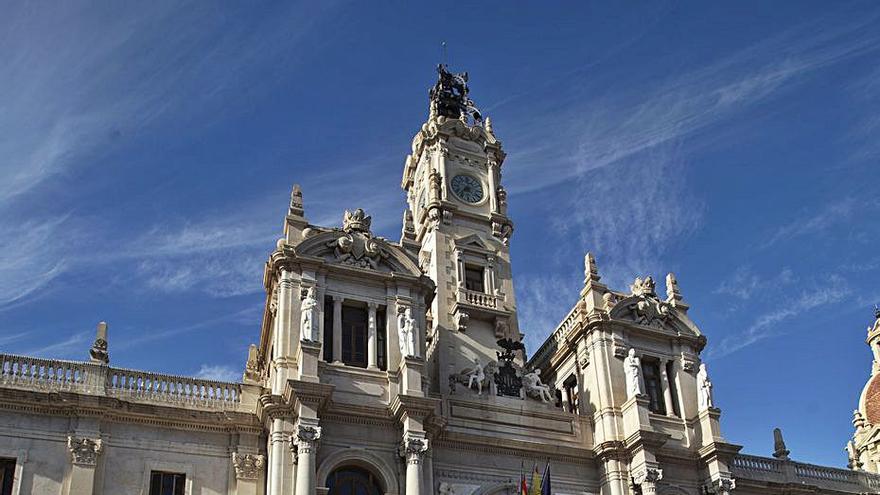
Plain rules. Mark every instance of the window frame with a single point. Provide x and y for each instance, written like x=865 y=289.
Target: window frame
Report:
x=178 y=481
x=481 y=275
x=186 y=469
x=19 y=456
x=657 y=402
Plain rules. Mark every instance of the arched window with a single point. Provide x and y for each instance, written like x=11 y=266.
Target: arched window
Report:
x=352 y=480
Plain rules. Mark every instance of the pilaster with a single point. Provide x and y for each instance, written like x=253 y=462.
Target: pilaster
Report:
x=84 y=453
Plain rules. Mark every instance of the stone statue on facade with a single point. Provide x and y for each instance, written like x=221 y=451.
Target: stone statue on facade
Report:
x=632 y=367
x=308 y=316
x=407 y=329
x=470 y=377
x=534 y=388
x=704 y=388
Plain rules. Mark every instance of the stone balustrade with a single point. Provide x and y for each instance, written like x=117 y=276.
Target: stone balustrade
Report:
x=478 y=299
x=756 y=468
x=54 y=375
x=550 y=345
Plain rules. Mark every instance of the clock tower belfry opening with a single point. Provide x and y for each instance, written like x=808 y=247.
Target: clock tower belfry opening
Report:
x=457 y=222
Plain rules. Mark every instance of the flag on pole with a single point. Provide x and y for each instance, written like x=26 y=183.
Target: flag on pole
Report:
x=523 y=487
x=535 y=489
x=545 y=483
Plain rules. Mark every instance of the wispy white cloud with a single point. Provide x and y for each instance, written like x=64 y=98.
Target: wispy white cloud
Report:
x=829 y=216
x=594 y=132
x=76 y=346
x=78 y=82
x=745 y=283
x=771 y=323
x=219 y=372
x=540 y=307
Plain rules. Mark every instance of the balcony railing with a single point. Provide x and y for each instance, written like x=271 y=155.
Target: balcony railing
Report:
x=478 y=299
x=53 y=375
x=780 y=471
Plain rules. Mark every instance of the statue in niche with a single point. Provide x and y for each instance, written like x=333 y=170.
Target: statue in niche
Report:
x=407 y=329
x=534 y=388
x=704 y=388
x=632 y=367
x=308 y=316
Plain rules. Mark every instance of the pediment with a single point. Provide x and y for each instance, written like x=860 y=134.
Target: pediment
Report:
x=360 y=250
x=473 y=242
x=650 y=311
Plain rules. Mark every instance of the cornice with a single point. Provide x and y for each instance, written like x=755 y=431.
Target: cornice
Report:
x=67 y=404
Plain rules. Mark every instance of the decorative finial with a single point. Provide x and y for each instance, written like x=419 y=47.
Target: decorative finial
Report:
x=98 y=352
x=876 y=312
x=357 y=220
x=487 y=124
x=779 y=450
x=591 y=271
x=673 y=293
x=296 y=201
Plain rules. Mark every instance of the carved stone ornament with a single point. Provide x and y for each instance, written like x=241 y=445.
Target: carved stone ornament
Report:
x=307 y=438
x=644 y=307
x=357 y=246
x=413 y=448
x=476 y=377
x=721 y=486
x=646 y=480
x=84 y=451
x=248 y=466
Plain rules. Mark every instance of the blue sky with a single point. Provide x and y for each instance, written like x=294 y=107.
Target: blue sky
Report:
x=147 y=151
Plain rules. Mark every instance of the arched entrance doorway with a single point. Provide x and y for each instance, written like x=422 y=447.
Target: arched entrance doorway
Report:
x=353 y=480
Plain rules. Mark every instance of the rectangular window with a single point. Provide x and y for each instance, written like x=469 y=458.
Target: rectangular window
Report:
x=328 y=329
x=651 y=372
x=354 y=336
x=473 y=278
x=381 y=339
x=7 y=475
x=164 y=483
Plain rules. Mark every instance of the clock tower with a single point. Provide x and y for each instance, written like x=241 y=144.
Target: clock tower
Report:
x=457 y=222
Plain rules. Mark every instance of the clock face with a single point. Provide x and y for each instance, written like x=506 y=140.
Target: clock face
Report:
x=467 y=188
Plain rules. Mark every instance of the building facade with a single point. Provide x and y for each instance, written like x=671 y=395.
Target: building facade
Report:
x=397 y=367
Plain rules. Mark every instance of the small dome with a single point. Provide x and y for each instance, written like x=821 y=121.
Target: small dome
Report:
x=872 y=400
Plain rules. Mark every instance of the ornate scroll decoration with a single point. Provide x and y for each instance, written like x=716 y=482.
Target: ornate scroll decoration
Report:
x=357 y=246
x=84 y=451
x=248 y=466
x=296 y=201
x=647 y=480
x=449 y=96
x=98 y=352
x=307 y=439
x=507 y=379
x=413 y=448
x=503 y=231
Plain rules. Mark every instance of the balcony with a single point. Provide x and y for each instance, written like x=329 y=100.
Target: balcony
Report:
x=472 y=300
x=769 y=470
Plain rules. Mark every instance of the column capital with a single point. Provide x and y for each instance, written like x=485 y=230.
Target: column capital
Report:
x=84 y=451
x=413 y=448
x=647 y=479
x=248 y=466
x=306 y=438
x=338 y=299
x=373 y=305
x=721 y=486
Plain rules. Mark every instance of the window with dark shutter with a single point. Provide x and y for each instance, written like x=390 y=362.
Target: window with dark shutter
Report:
x=165 y=483
x=7 y=475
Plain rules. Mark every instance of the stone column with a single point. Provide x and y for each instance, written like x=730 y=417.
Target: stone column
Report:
x=667 y=391
x=276 y=457
x=459 y=264
x=414 y=449
x=84 y=454
x=248 y=471
x=307 y=437
x=372 y=340
x=337 y=329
